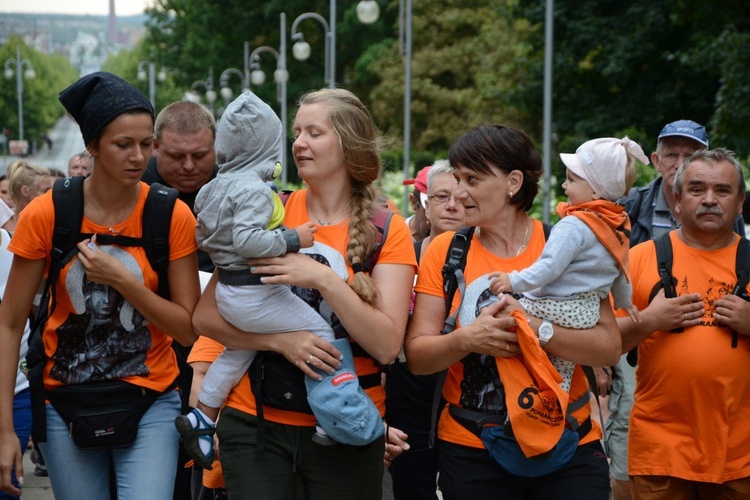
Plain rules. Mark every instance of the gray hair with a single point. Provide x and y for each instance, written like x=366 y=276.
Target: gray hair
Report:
x=712 y=157
x=439 y=167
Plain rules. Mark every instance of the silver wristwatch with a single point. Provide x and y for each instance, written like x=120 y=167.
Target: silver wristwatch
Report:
x=545 y=332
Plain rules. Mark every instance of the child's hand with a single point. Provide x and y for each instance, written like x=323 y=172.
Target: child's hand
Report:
x=633 y=313
x=306 y=232
x=500 y=283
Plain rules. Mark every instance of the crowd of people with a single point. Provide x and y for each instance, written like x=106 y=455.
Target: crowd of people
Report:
x=203 y=337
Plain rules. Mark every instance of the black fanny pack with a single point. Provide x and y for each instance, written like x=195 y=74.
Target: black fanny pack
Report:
x=279 y=384
x=102 y=414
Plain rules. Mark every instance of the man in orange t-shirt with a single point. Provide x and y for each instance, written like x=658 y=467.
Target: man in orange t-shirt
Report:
x=688 y=437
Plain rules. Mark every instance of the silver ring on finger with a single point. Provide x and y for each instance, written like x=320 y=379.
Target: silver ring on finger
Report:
x=507 y=346
x=309 y=360
x=686 y=317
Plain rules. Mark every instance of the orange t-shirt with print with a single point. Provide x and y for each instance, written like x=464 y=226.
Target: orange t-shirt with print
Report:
x=692 y=395
x=473 y=382
x=330 y=249
x=93 y=333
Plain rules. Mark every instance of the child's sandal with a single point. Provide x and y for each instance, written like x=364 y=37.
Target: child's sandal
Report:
x=191 y=437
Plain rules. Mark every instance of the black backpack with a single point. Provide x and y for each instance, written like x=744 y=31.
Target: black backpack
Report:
x=67 y=197
x=664 y=260
x=453 y=280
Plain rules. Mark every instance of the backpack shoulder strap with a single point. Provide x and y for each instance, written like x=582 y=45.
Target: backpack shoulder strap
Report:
x=742 y=267
x=381 y=219
x=742 y=270
x=547 y=230
x=157 y=220
x=664 y=264
x=67 y=200
x=453 y=280
x=455 y=262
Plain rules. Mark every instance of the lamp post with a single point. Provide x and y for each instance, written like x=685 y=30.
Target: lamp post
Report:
x=226 y=90
x=368 y=12
x=208 y=84
x=152 y=76
x=547 y=130
x=281 y=76
x=301 y=49
x=19 y=64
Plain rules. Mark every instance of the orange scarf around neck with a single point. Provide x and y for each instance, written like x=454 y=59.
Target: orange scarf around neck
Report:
x=610 y=224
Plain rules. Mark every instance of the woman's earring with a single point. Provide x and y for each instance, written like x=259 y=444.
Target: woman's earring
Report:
x=510 y=194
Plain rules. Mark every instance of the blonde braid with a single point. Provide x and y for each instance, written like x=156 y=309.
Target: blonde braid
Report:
x=359 y=143
x=362 y=234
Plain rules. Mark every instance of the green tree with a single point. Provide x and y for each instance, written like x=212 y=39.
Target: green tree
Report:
x=464 y=65
x=125 y=64
x=41 y=109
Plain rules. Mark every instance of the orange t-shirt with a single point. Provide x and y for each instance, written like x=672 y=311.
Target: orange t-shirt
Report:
x=330 y=249
x=94 y=334
x=692 y=395
x=473 y=382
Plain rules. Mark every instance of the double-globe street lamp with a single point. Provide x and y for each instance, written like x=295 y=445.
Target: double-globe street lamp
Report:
x=152 y=76
x=367 y=12
x=18 y=64
x=208 y=84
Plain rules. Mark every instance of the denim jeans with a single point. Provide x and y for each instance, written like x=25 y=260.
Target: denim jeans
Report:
x=146 y=469
x=22 y=425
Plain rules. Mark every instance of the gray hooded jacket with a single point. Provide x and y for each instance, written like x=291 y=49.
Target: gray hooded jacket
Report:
x=234 y=209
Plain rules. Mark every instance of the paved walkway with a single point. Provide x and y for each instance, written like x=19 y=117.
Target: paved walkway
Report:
x=66 y=141
x=34 y=488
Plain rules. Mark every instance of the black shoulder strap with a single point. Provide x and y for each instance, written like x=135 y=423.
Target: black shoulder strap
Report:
x=742 y=270
x=547 y=228
x=664 y=261
x=664 y=264
x=455 y=262
x=67 y=199
x=453 y=280
x=157 y=220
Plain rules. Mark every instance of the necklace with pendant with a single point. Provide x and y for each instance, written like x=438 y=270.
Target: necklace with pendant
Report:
x=330 y=221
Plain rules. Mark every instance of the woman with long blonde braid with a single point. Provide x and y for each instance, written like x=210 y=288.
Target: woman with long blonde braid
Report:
x=336 y=153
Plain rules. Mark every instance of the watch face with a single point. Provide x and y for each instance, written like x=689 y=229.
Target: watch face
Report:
x=546 y=331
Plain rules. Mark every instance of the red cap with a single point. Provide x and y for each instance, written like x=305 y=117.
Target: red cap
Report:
x=420 y=183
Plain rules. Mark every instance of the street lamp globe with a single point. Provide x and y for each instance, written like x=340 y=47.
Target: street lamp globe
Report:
x=280 y=76
x=192 y=96
x=211 y=96
x=162 y=76
x=8 y=73
x=142 y=75
x=301 y=50
x=29 y=73
x=226 y=93
x=368 y=11
x=257 y=77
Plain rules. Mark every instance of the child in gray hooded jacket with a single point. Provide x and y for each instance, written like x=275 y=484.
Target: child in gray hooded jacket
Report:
x=240 y=218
